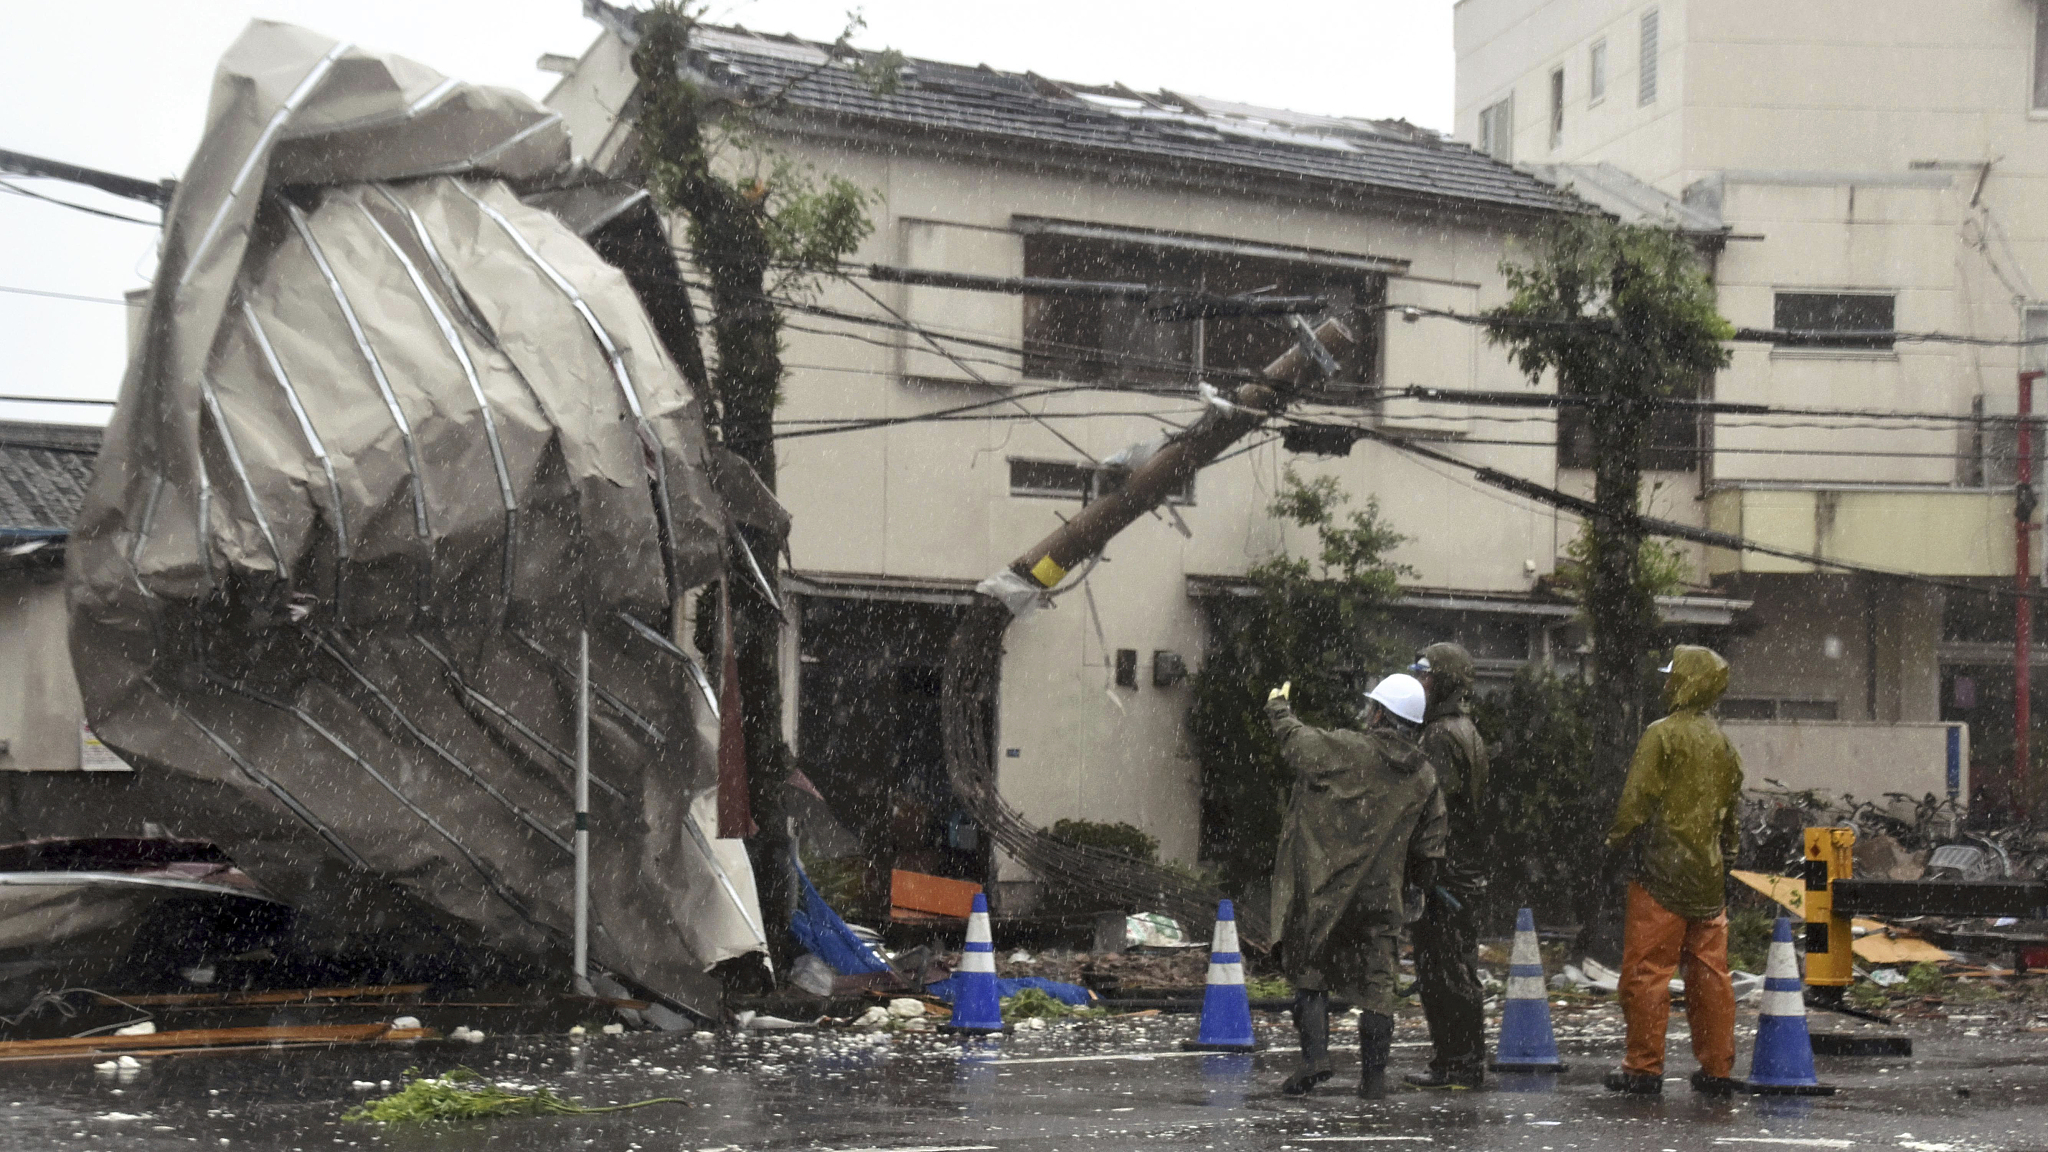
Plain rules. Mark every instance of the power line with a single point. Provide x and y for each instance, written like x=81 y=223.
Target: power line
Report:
x=1654 y=526
x=66 y=296
x=18 y=190
x=978 y=377
x=54 y=400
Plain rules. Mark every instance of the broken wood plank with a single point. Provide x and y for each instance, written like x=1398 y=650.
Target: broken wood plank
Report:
x=189 y=1038
x=1876 y=949
x=1787 y=892
x=268 y=996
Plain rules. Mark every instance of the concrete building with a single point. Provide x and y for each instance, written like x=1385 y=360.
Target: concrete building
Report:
x=1001 y=174
x=1876 y=165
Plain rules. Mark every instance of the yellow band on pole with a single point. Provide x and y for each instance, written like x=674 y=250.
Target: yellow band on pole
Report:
x=1047 y=572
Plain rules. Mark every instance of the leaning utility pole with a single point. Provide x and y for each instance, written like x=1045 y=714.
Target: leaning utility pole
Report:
x=967 y=692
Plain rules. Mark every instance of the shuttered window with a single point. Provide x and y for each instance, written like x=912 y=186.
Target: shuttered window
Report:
x=1497 y=130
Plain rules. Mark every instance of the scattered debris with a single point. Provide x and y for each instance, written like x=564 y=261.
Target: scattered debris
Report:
x=461 y=1094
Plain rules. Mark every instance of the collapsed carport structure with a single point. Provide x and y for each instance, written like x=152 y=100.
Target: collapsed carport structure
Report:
x=394 y=436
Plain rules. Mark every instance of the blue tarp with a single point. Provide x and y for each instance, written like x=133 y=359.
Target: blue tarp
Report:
x=1072 y=994
x=820 y=930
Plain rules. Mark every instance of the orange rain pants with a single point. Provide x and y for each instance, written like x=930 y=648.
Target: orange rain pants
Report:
x=1654 y=943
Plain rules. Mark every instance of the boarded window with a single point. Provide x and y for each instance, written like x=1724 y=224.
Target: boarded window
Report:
x=1646 y=78
x=1834 y=319
x=1113 y=342
x=1064 y=480
x=1556 y=108
x=1676 y=435
x=1497 y=130
x=1596 y=72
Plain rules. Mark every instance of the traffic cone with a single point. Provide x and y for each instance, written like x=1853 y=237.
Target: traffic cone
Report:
x=1226 y=1006
x=1526 y=1042
x=977 y=1004
x=1782 y=1064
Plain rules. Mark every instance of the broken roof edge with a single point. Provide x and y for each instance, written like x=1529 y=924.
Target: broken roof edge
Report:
x=1624 y=196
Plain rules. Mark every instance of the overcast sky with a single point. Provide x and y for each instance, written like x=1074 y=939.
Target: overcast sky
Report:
x=122 y=85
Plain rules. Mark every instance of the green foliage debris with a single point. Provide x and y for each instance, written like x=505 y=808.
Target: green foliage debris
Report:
x=1268 y=988
x=459 y=1094
x=1124 y=839
x=1749 y=937
x=1032 y=1003
x=1924 y=979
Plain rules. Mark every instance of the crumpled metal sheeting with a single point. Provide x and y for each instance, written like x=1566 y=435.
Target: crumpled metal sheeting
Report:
x=392 y=437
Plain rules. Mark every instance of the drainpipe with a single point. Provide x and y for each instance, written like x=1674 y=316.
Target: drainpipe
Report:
x=582 y=957
x=2023 y=606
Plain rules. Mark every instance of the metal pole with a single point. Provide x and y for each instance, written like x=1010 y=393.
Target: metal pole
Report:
x=2023 y=607
x=583 y=811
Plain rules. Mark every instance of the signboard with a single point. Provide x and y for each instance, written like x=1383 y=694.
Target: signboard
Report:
x=94 y=756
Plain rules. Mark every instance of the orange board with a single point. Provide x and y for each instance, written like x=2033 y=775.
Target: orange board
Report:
x=931 y=895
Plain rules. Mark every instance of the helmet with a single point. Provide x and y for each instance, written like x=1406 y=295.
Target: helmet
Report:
x=1400 y=694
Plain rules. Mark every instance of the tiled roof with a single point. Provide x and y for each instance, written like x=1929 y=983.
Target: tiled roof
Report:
x=44 y=469
x=1224 y=141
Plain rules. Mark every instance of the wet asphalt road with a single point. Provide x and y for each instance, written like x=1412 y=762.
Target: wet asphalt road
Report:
x=1106 y=1086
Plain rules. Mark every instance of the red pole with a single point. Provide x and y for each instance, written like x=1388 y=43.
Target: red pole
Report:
x=2023 y=605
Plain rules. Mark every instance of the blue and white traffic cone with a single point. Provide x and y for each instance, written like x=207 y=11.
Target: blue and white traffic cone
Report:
x=977 y=1003
x=1527 y=1043
x=1226 y=1006
x=1782 y=1064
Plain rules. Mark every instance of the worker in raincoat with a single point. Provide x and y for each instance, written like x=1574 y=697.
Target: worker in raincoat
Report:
x=1677 y=819
x=1447 y=935
x=1365 y=817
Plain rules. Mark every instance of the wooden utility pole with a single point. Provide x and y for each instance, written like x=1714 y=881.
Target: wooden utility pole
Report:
x=1169 y=469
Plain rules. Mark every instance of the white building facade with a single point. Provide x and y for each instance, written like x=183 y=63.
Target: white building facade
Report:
x=1877 y=165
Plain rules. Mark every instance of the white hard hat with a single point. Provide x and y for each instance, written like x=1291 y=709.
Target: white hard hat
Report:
x=1402 y=695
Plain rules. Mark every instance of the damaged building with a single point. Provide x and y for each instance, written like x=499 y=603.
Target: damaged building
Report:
x=1003 y=175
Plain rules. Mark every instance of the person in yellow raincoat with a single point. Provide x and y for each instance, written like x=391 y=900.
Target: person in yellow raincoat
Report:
x=1677 y=817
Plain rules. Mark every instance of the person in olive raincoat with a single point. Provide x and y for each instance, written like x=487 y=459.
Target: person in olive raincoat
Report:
x=1447 y=935
x=1678 y=817
x=1365 y=817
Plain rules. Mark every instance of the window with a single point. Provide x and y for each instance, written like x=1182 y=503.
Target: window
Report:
x=2041 y=57
x=1062 y=480
x=1497 y=130
x=1556 y=108
x=1761 y=708
x=1112 y=341
x=1862 y=319
x=1596 y=72
x=1675 y=443
x=1646 y=77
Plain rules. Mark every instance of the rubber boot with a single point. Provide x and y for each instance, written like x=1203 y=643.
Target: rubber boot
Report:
x=1375 y=1042
x=1312 y=1024
x=1449 y=1076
